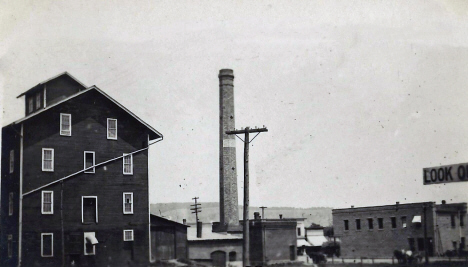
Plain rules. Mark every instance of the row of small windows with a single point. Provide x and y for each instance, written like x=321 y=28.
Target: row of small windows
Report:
x=380 y=223
x=89 y=206
x=47 y=243
x=38 y=102
x=66 y=126
x=89 y=161
x=65 y=129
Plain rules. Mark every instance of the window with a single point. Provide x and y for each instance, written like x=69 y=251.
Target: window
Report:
x=403 y=221
x=452 y=220
x=421 y=244
x=299 y=231
x=128 y=235
x=89 y=161
x=12 y=161
x=411 y=244
x=10 y=246
x=10 y=204
x=358 y=224
x=393 y=219
x=380 y=222
x=47 y=244
x=90 y=242
x=112 y=129
x=370 y=223
x=232 y=256
x=127 y=164
x=38 y=100
x=65 y=124
x=89 y=210
x=462 y=223
x=462 y=243
x=346 y=225
x=31 y=104
x=128 y=203
x=48 y=159
x=47 y=202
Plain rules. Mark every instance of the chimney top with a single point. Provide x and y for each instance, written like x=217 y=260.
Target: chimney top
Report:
x=226 y=73
x=444 y=202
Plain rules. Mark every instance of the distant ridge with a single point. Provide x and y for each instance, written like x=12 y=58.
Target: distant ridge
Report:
x=177 y=211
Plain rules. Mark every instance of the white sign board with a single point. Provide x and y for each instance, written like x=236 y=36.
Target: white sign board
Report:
x=446 y=174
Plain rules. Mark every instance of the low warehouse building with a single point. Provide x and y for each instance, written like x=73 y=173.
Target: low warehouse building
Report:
x=375 y=232
x=168 y=239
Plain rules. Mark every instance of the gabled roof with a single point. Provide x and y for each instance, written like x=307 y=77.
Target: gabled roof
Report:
x=50 y=79
x=84 y=92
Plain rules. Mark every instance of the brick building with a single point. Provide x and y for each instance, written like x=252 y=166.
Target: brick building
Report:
x=375 y=232
x=74 y=185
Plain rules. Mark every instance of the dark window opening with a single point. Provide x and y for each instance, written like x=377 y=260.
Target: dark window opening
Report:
x=232 y=256
x=403 y=221
x=47 y=245
x=452 y=220
x=298 y=231
x=462 y=223
x=462 y=243
x=89 y=210
x=346 y=225
x=89 y=162
x=358 y=224
x=393 y=222
x=411 y=244
x=421 y=244
x=380 y=222
x=370 y=223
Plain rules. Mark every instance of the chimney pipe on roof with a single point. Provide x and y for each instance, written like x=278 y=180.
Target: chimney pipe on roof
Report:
x=256 y=215
x=184 y=221
x=199 y=229
x=281 y=216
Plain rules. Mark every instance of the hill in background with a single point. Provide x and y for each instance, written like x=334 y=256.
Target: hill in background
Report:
x=210 y=212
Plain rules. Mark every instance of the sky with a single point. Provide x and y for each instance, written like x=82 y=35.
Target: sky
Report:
x=358 y=96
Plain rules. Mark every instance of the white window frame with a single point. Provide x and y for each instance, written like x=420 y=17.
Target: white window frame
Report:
x=108 y=136
x=10 y=246
x=51 y=202
x=131 y=202
x=12 y=160
x=62 y=131
x=130 y=231
x=82 y=202
x=84 y=244
x=38 y=100
x=92 y=170
x=43 y=167
x=51 y=245
x=131 y=164
x=10 y=203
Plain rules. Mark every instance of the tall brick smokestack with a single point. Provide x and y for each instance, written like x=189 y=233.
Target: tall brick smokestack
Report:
x=228 y=202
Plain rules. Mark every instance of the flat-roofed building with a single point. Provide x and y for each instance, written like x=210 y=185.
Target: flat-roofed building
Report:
x=377 y=231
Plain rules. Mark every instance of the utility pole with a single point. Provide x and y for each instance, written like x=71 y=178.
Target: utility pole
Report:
x=196 y=209
x=263 y=209
x=245 y=232
x=426 y=244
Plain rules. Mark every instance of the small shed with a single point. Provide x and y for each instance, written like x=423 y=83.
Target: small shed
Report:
x=168 y=239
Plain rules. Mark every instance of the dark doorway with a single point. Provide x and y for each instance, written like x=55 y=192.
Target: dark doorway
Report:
x=292 y=253
x=218 y=258
x=89 y=209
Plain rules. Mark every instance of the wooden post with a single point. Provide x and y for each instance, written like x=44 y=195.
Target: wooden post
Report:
x=246 y=232
x=426 y=256
x=246 y=247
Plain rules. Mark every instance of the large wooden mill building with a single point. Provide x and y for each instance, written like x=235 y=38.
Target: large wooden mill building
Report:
x=74 y=184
